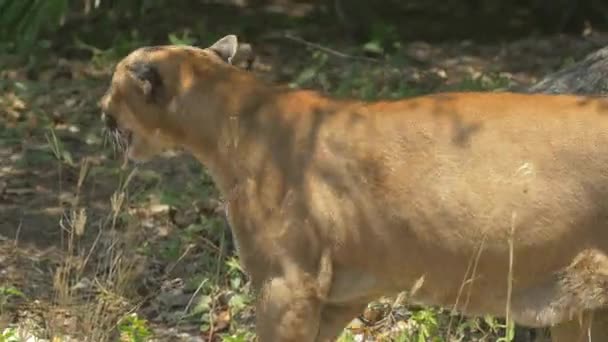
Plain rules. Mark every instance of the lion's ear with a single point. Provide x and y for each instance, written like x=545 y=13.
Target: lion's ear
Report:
x=148 y=79
x=226 y=48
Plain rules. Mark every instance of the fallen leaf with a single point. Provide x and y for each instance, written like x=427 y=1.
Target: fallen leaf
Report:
x=222 y=321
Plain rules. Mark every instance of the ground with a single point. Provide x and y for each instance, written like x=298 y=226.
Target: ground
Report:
x=93 y=248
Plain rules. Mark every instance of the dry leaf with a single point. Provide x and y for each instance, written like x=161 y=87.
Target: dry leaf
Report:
x=222 y=321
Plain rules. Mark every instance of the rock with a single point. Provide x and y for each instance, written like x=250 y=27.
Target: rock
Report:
x=586 y=77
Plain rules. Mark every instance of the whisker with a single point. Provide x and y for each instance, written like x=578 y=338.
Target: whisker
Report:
x=107 y=137
x=119 y=142
x=117 y=138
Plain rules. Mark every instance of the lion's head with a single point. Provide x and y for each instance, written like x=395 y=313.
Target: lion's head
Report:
x=152 y=91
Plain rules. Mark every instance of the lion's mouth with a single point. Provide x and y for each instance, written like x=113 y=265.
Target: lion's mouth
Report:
x=121 y=138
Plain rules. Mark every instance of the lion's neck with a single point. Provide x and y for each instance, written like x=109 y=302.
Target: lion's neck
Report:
x=249 y=129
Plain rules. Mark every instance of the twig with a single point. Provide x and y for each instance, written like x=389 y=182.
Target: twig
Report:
x=510 y=276
x=171 y=267
x=467 y=280
x=324 y=48
x=200 y=286
x=18 y=232
x=218 y=270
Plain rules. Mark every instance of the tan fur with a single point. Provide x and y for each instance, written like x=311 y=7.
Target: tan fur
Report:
x=336 y=202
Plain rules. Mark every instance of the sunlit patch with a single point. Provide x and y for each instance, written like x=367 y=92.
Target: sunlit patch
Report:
x=526 y=170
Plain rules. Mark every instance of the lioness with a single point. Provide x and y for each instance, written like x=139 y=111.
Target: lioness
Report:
x=485 y=203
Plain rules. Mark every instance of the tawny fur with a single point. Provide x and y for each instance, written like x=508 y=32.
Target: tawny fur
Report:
x=336 y=202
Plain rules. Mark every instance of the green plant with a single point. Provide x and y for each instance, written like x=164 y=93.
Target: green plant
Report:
x=426 y=322
x=8 y=292
x=184 y=39
x=22 y=20
x=134 y=329
x=509 y=328
x=497 y=328
x=121 y=45
x=9 y=335
x=241 y=336
x=382 y=35
x=235 y=273
x=58 y=148
x=311 y=72
x=346 y=336
x=238 y=302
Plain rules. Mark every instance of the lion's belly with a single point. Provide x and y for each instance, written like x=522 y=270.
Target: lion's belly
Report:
x=453 y=247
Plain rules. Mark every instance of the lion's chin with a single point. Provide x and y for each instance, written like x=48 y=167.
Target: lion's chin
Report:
x=141 y=150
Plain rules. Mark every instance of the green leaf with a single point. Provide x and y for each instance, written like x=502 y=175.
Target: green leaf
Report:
x=238 y=302
x=185 y=39
x=203 y=304
x=373 y=46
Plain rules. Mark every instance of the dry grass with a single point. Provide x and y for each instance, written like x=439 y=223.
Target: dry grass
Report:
x=94 y=281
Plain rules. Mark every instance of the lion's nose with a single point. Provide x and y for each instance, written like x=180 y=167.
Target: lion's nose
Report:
x=109 y=121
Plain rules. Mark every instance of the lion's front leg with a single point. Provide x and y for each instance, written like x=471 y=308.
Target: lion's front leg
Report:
x=288 y=310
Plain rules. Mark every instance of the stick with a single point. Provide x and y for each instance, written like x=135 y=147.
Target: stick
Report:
x=325 y=49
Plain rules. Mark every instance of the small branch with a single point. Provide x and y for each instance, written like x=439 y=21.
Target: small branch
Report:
x=508 y=318
x=325 y=49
